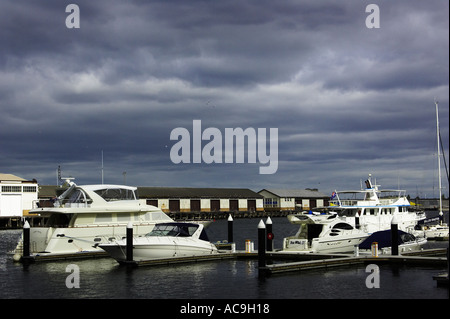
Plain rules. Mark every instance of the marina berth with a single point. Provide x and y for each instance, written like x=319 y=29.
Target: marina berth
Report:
x=166 y=240
x=85 y=216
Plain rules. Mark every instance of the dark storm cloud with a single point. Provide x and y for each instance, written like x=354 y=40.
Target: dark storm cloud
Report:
x=347 y=100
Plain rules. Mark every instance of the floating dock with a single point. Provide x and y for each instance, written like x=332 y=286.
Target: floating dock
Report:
x=302 y=261
x=351 y=260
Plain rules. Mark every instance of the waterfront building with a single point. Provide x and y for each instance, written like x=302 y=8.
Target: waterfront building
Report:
x=17 y=196
x=186 y=199
x=293 y=199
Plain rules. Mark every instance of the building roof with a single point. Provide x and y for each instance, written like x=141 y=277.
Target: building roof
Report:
x=299 y=193
x=187 y=192
x=10 y=177
x=50 y=191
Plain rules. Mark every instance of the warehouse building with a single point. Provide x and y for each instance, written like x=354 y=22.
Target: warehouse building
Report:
x=17 y=197
x=202 y=200
x=293 y=199
x=184 y=199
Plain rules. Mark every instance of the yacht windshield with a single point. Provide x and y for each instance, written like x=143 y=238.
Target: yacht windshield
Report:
x=173 y=230
x=115 y=194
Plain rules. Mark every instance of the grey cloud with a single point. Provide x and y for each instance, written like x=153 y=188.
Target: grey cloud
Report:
x=346 y=100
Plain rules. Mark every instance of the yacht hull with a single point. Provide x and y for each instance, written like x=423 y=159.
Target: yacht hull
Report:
x=50 y=241
x=154 y=248
x=324 y=245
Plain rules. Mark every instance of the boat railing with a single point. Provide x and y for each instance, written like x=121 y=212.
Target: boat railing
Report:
x=388 y=201
x=355 y=202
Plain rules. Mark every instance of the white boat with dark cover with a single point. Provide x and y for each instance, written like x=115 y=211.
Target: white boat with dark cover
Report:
x=85 y=216
x=406 y=242
x=166 y=240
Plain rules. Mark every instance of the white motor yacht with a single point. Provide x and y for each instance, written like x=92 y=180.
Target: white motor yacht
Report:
x=436 y=232
x=323 y=233
x=375 y=208
x=85 y=216
x=164 y=241
x=351 y=217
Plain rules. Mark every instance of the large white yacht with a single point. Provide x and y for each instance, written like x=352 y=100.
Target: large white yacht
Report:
x=374 y=208
x=85 y=216
x=363 y=211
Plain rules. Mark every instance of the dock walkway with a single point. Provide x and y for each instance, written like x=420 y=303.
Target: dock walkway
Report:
x=288 y=262
x=279 y=262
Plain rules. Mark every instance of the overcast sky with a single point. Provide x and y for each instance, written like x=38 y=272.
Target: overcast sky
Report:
x=346 y=100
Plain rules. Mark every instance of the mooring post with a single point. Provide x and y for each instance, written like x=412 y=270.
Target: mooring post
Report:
x=394 y=236
x=26 y=240
x=269 y=242
x=230 y=229
x=130 y=242
x=261 y=247
x=26 y=258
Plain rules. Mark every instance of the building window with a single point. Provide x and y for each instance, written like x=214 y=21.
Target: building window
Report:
x=29 y=189
x=270 y=202
x=11 y=189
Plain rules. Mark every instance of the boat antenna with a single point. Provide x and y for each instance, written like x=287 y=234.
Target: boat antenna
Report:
x=102 y=167
x=439 y=159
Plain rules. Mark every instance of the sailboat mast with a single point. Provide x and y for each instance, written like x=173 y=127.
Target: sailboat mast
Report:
x=439 y=160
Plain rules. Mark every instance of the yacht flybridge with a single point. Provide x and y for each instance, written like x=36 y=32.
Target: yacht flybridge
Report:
x=351 y=217
x=85 y=216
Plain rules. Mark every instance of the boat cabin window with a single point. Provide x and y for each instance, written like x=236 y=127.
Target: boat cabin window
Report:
x=115 y=194
x=157 y=216
x=59 y=220
x=78 y=196
x=103 y=218
x=343 y=226
x=173 y=230
x=74 y=196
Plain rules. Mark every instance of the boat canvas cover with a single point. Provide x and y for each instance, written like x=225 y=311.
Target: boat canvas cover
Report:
x=383 y=238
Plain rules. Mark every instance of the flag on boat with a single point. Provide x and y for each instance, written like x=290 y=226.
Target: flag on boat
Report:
x=333 y=195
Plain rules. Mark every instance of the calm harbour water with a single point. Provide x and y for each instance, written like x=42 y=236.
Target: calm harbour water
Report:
x=228 y=279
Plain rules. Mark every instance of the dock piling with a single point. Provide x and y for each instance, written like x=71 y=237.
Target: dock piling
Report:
x=26 y=239
x=394 y=236
x=269 y=242
x=130 y=242
x=26 y=258
x=261 y=247
x=230 y=229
